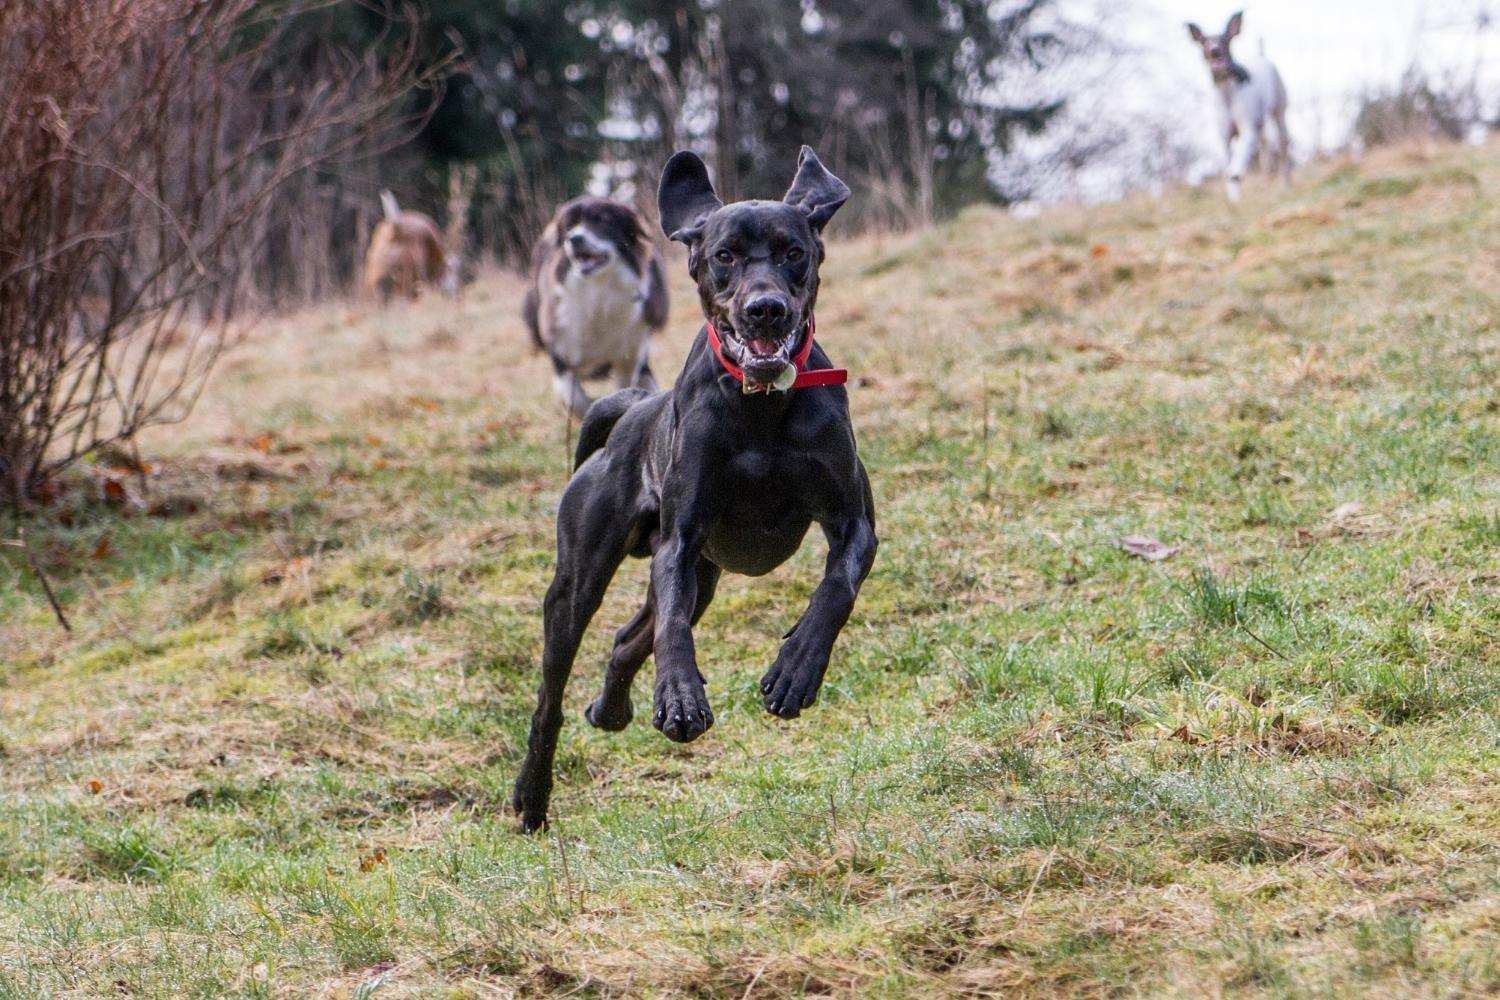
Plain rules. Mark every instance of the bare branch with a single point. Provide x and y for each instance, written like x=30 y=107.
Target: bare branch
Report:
x=151 y=147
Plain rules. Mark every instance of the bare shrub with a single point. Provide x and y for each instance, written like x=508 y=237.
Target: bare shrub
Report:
x=1419 y=108
x=147 y=144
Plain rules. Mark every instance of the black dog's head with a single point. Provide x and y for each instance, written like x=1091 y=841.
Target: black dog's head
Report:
x=755 y=262
x=594 y=231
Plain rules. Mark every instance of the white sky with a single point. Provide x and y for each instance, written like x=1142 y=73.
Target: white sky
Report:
x=1328 y=51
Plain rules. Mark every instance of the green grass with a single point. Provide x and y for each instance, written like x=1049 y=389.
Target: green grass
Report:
x=274 y=757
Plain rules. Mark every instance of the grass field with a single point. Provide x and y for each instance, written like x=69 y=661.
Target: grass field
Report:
x=274 y=757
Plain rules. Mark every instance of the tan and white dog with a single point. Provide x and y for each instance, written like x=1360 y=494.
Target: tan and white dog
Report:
x=406 y=252
x=598 y=292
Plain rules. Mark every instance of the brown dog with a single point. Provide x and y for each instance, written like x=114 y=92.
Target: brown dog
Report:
x=406 y=252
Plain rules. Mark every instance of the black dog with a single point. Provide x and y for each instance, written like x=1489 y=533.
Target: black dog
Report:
x=726 y=471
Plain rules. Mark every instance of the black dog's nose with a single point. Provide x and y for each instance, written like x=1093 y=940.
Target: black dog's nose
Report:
x=575 y=238
x=766 y=309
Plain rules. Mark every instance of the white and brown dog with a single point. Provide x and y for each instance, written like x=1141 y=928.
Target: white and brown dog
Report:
x=1250 y=95
x=598 y=292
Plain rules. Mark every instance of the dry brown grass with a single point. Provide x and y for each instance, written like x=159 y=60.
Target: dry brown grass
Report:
x=1263 y=767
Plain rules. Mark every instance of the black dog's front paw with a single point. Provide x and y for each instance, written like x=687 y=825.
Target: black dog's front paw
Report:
x=530 y=804
x=790 y=686
x=682 y=712
x=610 y=718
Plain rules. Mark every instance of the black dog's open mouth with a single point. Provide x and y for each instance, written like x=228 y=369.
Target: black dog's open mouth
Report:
x=764 y=358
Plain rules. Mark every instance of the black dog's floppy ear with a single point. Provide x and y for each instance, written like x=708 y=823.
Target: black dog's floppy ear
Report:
x=816 y=192
x=686 y=197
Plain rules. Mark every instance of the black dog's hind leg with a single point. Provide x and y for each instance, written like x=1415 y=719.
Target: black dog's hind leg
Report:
x=612 y=710
x=793 y=681
x=590 y=547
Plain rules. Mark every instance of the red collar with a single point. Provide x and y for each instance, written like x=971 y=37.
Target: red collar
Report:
x=806 y=378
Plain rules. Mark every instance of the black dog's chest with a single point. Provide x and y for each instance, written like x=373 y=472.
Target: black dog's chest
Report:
x=754 y=468
x=764 y=514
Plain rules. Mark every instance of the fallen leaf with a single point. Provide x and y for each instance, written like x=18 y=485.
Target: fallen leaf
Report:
x=262 y=444
x=114 y=491
x=1184 y=734
x=370 y=863
x=95 y=786
x=1148 y=549
x=374 y=440
x=1100 y=250
x=101 y=550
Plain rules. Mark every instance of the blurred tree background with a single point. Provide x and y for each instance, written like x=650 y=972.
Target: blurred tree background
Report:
x=539 y=101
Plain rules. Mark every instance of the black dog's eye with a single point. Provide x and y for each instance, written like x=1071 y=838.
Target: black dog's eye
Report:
x=724 y=257
x=795 y=254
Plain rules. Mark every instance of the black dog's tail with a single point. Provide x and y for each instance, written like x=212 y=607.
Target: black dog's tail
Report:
x=601 y=419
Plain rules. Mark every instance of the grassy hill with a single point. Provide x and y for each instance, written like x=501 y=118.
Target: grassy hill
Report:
x=274 y=756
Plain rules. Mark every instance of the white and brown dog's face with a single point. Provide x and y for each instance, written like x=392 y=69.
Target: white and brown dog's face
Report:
x=594 y=233
x=1215 y=48
x=597 y=292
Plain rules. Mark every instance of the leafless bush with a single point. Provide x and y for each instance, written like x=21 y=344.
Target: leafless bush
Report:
x=148 y=145
x=1419 y=108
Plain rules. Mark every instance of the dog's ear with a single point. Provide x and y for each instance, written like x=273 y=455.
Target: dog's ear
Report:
x=1196 y=33
x=816 y=192
x=686 y=197
x=550 y=240
x=1233 y=28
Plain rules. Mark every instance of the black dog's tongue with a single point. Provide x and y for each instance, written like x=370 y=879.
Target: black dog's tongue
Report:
x=764 y=346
